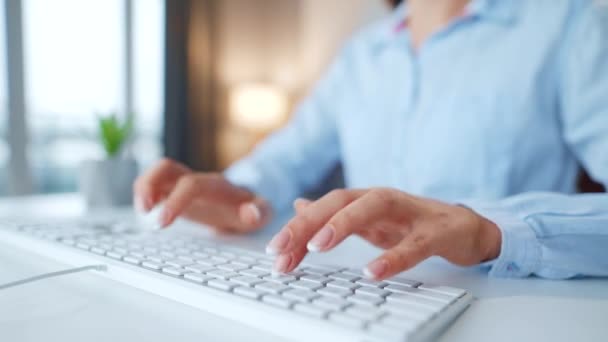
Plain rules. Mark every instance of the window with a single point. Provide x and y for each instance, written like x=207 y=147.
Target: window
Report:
x=148 y=33
x=4 y=151
x=75 y=69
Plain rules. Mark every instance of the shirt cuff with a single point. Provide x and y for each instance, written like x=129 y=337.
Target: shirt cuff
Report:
x=520 y=251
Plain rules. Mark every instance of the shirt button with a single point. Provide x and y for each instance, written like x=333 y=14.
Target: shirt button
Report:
x=512 y=267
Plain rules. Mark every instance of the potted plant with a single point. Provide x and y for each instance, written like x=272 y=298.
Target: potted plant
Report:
x=108 y=182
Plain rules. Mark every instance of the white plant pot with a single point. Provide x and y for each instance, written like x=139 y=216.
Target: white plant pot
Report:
x=108 y=183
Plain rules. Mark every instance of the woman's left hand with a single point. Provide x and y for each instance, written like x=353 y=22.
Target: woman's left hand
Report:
x=410 y=228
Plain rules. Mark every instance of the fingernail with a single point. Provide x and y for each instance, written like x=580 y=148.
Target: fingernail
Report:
x=282 y=263
x=165 y=218
x=321 y=240
x=253 y=209
x=147 y=204
x=375 y=269
x=138 y=204
x=279 y=242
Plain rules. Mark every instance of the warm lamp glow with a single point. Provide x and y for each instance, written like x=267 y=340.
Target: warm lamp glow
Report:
x=259 y=107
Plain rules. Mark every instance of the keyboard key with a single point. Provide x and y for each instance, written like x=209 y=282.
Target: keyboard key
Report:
x=232 y=267
x=156 y=258
x=83 y=245
x=398 y=288
x=363 y=312
x=372 y=283
x=416 y=292
x=219 y=259
x=98 y=250
x=114 y=255
x=372 y=291
x=315 y=278
x=221 y=274
x=168 y=255
x=246 y=280
x=414 y=300
x=310 y=310
x=206 y=262
x=305 y=284
x=153 y=265
x=132 y=260
x=265 y=262
x=173 y=271
x=317 y=271
x=254 y=273
x=344 y=277
x=411 y=311
x=450 y=291
x=347 y=320
x=199 y=268
x=248 y=259
x=249 y=292
x=239 y=262
x=178 y=263
x=277 y=301
x=301 y=295
x=282 y=279
x=264 y=268
x=138 y=254
x=220 y=284
x=334 y=292
x=336 y=304
x=197 y=277
x=365 y=299
x=272 y=287
x=402 y=281
x=342 y=284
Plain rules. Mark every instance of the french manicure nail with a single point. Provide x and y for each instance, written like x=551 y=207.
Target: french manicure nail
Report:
x=279 y=242
x=255 y=211
x=138 y=204
x=321 y=240
x=281 y=264
x=165 y=218
x=375 y=269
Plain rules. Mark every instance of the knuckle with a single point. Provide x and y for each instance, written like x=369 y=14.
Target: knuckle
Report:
x=387 y=197
x=340 y=195
x=190 y=181
x=422 y=244
x=165 y=163
x=345 y=219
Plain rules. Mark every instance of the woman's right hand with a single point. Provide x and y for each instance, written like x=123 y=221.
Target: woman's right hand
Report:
x=206 y=198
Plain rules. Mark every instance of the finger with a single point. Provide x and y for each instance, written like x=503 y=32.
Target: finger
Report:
x=151 y=187
x=287 y=262
x=254 y=213
x=201 y=187
x=301 y=204
x=363 y=213
x=412 y=250
x=298 y=231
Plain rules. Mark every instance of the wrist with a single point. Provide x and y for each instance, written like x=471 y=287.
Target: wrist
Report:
x=491 y=239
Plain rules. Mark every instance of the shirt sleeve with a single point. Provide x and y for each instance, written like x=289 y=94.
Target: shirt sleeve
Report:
x=298 y=156
x=553 y=235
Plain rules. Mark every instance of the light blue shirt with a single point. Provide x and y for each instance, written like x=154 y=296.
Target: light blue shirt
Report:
x=497 y=112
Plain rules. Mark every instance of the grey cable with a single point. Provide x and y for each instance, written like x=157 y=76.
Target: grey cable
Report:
x=102 y=268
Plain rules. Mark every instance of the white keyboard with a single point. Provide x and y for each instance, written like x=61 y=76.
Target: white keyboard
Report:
x=322 y=303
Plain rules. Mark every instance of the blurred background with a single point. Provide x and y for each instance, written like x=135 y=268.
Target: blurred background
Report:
x=203 y=80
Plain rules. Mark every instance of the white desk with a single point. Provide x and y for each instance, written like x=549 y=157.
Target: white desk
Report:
x=87 y=307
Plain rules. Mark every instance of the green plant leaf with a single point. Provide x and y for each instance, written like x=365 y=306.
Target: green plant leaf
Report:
x=114 y=133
